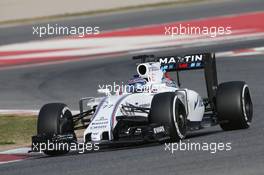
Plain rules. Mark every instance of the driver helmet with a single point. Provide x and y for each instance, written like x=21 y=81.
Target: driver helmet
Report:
x=136 y=84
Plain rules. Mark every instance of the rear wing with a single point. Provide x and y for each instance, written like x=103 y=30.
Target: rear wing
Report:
x=187 y=62
x=205 y=61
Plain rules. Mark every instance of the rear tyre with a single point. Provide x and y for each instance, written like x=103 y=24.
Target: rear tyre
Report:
x=167 y=110
x=234 y=105
x=55 y=119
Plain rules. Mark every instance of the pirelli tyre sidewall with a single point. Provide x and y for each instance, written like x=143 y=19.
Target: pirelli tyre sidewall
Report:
x=55 y=118
x=234 y=105
x=167 y=110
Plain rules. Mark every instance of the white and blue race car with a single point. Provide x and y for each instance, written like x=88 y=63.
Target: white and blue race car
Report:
x=152 y=107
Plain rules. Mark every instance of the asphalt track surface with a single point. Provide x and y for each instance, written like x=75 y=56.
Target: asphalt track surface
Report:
x=33 y=86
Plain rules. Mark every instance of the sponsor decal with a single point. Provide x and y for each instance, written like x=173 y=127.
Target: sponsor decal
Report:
x=198 y=102
x=171 y=63
x=100 y=123
x=99 y=127
x=159 y=129
x=185 y=59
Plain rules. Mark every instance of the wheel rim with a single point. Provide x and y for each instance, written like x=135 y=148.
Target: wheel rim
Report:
x=247 y=105
x=179 y=119
x=181 y=122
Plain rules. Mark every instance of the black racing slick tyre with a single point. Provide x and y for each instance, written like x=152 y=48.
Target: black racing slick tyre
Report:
x=55 y=119
x=234 y=106
x=167 y=110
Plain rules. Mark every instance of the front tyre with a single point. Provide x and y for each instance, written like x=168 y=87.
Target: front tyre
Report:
x=55 y=119
x=167 y=110
x=234 y=105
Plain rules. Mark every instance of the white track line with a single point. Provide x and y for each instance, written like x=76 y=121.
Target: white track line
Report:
x=23 y=112
x=22 y=150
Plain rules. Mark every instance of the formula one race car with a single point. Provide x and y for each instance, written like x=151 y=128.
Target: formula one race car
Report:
x=152 y=107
